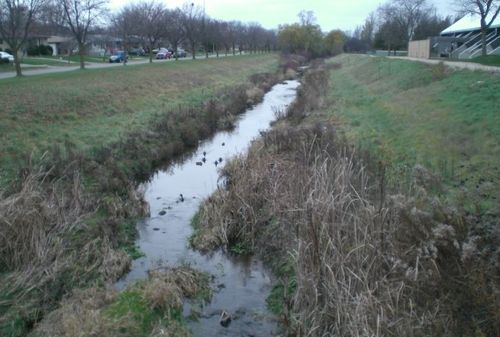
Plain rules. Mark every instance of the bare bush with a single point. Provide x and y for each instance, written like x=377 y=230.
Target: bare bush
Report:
x=311 y=95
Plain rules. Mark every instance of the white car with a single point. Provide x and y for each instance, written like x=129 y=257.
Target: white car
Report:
x=6 y=57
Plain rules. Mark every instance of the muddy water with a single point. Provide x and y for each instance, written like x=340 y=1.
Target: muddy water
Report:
x=242 y=284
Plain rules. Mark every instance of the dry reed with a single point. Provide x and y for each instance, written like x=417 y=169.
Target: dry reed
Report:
x=363 y=266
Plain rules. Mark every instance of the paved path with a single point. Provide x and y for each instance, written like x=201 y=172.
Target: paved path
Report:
x=453 y=64
x=89 y=65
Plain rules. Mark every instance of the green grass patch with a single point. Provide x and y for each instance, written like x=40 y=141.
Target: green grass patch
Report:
x=45 y=61
x=7 y=67
x=408 y=113
x=132 y=304
x=489 y=60
x=283 y=292
x=94 y=108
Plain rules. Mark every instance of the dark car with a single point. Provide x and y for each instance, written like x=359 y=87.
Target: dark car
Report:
x=181 y=52
x=137 y=52
x=118 y=56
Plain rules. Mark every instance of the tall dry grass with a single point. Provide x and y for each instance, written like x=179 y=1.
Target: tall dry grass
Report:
x=362 y=268
x=66 y=220
x=47 y=247
x=366 y=260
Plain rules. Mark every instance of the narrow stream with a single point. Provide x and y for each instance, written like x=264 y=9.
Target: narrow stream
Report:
x=243 y=283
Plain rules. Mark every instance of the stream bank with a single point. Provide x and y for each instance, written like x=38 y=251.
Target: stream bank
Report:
x=175 y=211
x=355 y=254
x=81 y=227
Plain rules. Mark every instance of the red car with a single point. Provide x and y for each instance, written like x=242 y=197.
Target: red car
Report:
x=163 y=54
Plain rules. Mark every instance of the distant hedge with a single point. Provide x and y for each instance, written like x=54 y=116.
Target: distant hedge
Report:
x=41 y=50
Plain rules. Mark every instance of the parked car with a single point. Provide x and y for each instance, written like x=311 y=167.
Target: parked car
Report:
x=118 y=56
x=6 y=57
x=163 y=54
x=137 y=52
x=181 y=52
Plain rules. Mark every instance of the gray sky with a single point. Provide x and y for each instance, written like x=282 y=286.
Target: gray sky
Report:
x=331 y=14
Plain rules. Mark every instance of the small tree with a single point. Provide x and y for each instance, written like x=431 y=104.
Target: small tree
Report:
x=403 y=16
x=334 y=42
x=81 y=15
x=124 y=24
x=173 y=29
x=150 y=23
x=486 y=9
x=192 y=20
x=304 y=38
x=16 y=17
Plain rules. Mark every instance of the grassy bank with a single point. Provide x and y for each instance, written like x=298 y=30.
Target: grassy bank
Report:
x=409 y=113
x=69 y=201
x=98 y=107
x=346 y=201
x=489 y=60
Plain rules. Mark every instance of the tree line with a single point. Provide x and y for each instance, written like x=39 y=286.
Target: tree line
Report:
x=148 y=24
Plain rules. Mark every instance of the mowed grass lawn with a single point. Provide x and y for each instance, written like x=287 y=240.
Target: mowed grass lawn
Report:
x=410 y=113
x=96 y=107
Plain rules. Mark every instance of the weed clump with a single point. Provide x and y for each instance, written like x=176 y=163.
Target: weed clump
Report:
x=311 y=95
x=149 y=308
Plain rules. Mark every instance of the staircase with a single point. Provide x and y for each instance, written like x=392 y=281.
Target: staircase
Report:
x=472 y=47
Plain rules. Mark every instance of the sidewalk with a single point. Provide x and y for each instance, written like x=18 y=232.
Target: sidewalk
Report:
x=453 y=64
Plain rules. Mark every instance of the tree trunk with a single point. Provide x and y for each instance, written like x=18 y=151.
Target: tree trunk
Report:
x=150 y=55
x=234 y=49
x=483 y=42
x=193 y=51
x=17 y=62
x=81 y=51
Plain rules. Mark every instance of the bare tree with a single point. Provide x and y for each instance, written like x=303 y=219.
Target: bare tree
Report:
x=398 y=21
x=407 y=15
x=210 y=36
x=232 y=30
x=173 y=29
x=81 y=15
x=367 y=32
x=150 y=17
x=486 y=9
x=192 y=20
x=16 y=17
x=124 y=24
x=50 y=19
x=307 y=18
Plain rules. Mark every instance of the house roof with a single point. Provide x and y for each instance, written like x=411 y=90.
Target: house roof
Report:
x=469 y=23
x=58 y=39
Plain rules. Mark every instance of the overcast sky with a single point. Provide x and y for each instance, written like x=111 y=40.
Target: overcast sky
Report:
x=331 y=14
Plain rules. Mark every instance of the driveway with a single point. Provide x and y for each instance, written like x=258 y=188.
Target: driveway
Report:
x=453 y=64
